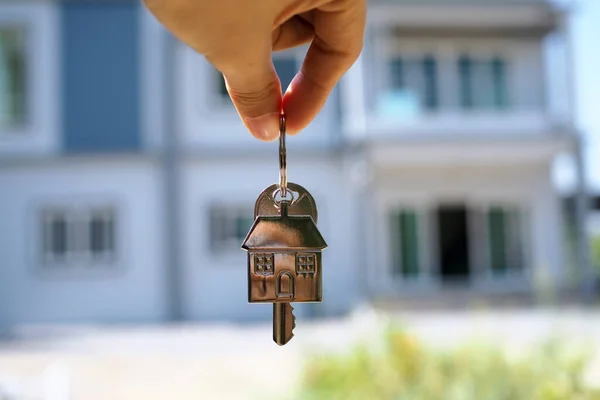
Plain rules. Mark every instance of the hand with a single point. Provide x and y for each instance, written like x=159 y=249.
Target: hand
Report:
x=238 y=37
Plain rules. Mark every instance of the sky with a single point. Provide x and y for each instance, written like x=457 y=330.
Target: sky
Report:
x=585 y=23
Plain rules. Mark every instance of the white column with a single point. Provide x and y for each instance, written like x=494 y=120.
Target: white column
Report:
x=547 y=243
x=353 y=100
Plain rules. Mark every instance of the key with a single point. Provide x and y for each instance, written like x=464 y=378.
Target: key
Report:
x=284 y=249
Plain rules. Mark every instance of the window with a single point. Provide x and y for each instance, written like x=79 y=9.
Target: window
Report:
x=263 y=263
x=416 y=79
x=229 y=227
x=78 y=236
x=504 y=239
x=482 y=83
x=101 y=234
x=12 y=77
x=305 y=264
x=405 y=243
x=55 y=235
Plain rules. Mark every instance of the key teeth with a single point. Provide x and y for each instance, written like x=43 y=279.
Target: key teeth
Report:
x=284 y=323
x=293 y=319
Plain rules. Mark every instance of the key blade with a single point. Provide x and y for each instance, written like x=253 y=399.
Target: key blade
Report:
x=284 y=323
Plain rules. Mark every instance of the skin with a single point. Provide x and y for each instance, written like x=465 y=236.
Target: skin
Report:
x=238 y=37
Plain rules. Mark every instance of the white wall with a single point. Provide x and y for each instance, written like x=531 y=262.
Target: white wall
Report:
x=216 y=285
x=132 y=290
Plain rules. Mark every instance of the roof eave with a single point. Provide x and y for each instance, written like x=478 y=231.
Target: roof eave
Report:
x=283 y=250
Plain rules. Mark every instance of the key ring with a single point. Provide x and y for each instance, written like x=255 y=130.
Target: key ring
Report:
x=282 y=157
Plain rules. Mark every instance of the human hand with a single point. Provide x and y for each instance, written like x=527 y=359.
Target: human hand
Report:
x=238 y=37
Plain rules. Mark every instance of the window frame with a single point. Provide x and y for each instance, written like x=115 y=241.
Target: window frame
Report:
x=399 y=270
x=264 y=264
x=482 y=247
x=39 y=131
x=508 y=213
x=231 y=215
x=475 y=102
x=78 y=254
x=424 y=262
x=305 y=264
x=429 y=100
x=446 y=52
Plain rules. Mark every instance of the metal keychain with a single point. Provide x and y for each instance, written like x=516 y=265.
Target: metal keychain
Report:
x=284 y=249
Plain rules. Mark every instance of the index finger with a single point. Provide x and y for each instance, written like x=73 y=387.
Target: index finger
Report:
x=339 y=35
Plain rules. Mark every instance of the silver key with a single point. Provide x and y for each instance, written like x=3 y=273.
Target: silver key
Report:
x=284 y=249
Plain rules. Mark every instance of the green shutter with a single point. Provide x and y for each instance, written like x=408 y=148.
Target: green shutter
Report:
x=410 y=244
x=406 y=243
x=430 y=95
x=515 y=240
x=497 y=239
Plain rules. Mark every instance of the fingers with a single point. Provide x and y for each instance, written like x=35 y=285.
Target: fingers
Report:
x=339 y=30
x=255 y=90
x=253 y=84
x=294 y=32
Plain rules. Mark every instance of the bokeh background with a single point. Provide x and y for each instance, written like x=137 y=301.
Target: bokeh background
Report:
x=456 y=172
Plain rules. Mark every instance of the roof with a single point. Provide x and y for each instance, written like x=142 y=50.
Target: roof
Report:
x=283 y=232
x=463 y=17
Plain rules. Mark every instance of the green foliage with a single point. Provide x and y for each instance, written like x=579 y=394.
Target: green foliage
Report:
x=403 y=369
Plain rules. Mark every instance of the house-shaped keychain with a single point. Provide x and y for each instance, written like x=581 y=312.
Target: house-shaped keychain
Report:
x=284 y=258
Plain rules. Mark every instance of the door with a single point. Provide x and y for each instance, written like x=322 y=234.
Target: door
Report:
x=453 y=242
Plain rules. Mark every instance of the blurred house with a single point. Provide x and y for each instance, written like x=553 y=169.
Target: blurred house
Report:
x=128 y=182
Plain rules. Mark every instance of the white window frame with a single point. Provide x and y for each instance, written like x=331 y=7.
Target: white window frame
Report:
x=78 y=255
x=39 y=133
x=396 y=239
x=446 y=51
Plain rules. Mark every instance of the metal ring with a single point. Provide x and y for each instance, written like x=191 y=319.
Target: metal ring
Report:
x=282 y=157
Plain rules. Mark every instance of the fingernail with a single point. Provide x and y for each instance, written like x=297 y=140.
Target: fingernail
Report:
x=265 y=127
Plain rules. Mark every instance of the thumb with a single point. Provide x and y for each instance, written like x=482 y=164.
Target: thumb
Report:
x=255 y=90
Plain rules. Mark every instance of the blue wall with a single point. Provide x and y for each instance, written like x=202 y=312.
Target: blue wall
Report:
x=100 y=47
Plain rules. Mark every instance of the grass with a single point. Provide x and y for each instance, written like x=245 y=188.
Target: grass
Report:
x=401 y=368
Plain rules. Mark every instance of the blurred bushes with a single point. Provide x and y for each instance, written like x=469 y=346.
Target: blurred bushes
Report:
x=596 y=252
x=403 y=369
